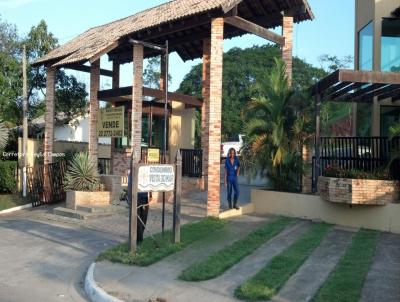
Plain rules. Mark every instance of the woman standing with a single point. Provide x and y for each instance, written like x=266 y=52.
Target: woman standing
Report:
x=232 y=170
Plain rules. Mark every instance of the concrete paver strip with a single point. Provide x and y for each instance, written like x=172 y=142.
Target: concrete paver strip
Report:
x=304 y=284
x=160 y=279
x=383 y=279
x=249 y=266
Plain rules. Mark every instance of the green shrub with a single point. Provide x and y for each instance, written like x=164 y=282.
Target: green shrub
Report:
x=7 y=176
x=82 y=174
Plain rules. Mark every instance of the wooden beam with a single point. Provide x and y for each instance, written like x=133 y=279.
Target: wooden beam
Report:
x=373 y=77
x=126 y=92
x=84 y=68
x=255 y=29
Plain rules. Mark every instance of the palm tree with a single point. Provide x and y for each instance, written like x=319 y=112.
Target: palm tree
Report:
x=278 y=125
x=3 y=135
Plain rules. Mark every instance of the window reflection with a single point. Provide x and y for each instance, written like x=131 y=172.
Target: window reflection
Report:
x=366 y=46
x=390 y=60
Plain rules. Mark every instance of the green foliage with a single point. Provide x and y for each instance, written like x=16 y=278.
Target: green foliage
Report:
x=346 y=282
x=152 y=73
x=278 y=124
x=8 y=201
x=152 y=250
x=243 y=68
x=70 y=94
x=82 y=174
x=3 y=135
x=7 y=176
x=219 y=262
x=337 y=172
x=267 y=283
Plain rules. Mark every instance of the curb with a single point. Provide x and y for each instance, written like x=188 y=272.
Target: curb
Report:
x=94 y=292
x=26 y=206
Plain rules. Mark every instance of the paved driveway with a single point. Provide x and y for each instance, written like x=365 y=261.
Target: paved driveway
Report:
x=44 y=261
x=44 y=257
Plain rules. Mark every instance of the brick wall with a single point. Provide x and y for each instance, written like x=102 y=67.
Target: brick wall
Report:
x=137 y=98
x=205 y=110
x=94 y=110
x=49 y=117
x=287 y=49
x=214 y=117
x=358 y=191
x=121 y=162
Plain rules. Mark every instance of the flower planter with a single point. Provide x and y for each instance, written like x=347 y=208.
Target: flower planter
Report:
x=358 y=191
x=80 y=198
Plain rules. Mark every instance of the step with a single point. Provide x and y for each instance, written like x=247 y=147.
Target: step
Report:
x=94 y=209
x=81 y=215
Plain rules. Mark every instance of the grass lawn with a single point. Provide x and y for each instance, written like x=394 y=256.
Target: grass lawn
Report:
x=8 y=201
x=346 y=281
x=150 y=251
x=220 y=261
x=267 y=283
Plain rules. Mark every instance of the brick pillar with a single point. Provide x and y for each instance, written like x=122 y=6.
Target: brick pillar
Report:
x=94 y=110
x=307 y=175
x=287 y=49
x=115 y=84
x=214 y=117
x=49 y=118
x=205 y=110
x=49 y=129
x=137 y=98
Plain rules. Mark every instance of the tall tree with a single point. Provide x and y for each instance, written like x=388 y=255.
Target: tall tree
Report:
x=242 y=69
x=70 y=94
x=278 y=124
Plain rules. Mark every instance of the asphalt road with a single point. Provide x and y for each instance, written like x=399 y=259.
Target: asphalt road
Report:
x=46 y=261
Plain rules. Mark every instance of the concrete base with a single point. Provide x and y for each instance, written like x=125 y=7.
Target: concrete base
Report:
x=243 y=210
x=78 y=198
x=314 y=208
x=85 y=213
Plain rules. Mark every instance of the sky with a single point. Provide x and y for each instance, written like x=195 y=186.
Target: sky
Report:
x=332 y=31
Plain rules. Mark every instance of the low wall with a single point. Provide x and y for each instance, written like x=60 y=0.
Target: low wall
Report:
x=358 y=191
x=383 y=218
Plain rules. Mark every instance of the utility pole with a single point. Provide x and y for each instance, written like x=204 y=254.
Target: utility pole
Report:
x=25 y=120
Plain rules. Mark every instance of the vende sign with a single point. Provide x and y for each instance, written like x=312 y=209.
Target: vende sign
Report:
x=156 y=178
x=111 y=122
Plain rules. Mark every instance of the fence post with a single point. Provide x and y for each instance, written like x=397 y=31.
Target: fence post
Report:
x=177 y=198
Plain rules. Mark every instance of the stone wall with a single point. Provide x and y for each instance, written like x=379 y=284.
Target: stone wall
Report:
x=358 y=191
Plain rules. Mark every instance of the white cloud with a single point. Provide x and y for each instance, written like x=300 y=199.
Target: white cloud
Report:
x=15 y=3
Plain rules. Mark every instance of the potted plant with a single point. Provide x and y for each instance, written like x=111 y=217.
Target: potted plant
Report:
x=82 y=183
x=358 y=187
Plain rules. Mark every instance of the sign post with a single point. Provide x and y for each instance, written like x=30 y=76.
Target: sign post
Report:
x=155 y=178
x=177 y=199
x=133 y=205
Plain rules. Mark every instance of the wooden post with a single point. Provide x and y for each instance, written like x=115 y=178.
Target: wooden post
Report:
x=25 y=121
x=317 y=139
x=177 y=199
x=133 y=206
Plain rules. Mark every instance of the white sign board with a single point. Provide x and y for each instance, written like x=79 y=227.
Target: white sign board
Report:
x=156 y=178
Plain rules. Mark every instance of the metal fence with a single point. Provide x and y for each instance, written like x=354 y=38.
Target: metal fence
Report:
x=104 y=165
x=359 y=153
x=52 y=176
x=192 y=163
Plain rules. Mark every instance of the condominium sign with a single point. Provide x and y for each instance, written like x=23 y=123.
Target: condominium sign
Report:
x=156 y=178
x=111 y=122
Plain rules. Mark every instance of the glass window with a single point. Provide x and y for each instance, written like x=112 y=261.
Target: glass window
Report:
x=390 y=60
x=390 y=115
x=366 y=47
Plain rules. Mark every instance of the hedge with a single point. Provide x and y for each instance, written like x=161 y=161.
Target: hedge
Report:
x=8 y=183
